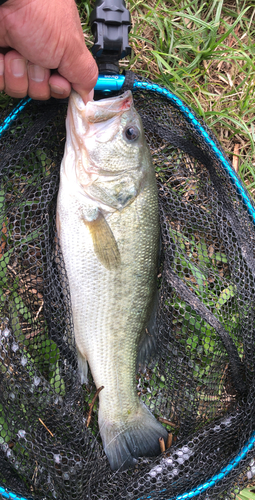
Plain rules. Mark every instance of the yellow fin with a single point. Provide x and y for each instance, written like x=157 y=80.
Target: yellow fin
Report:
x=105 y=245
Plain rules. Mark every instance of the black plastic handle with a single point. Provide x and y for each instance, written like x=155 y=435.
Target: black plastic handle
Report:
x=110 y=24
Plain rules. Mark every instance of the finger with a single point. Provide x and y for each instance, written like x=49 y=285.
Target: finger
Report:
x=79 y=68
x=1 y=72
x=87 y=91
x=38 y=82
x=77 y=64
x=59 y=86
x=15 y=74
x=86 y=77
x=89 y=97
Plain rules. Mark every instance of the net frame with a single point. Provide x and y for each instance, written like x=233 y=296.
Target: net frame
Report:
x=138 y=86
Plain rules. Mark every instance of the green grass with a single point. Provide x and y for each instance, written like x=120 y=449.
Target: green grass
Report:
x=246 y=494
x=205 y=53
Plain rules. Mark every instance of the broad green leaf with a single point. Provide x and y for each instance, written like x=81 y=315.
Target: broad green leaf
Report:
x=225 y=295
x=220 y=257
x=198 y=275
x=57 y=382
x=202 y=252
x=22 y=308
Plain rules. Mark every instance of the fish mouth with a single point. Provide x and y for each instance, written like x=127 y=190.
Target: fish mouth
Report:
x=104 y=109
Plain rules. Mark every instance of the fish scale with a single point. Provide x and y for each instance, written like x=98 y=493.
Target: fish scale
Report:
x=111 y=257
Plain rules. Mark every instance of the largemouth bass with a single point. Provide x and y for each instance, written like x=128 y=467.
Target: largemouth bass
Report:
x=108 y=228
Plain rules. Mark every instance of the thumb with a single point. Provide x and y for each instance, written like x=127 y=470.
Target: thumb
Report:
x=80 y=69
x=87 y=72
x=77 y=64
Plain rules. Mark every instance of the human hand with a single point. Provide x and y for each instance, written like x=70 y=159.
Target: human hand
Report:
x=45 y=35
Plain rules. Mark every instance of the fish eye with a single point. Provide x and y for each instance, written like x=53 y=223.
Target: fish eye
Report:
x=132 y=133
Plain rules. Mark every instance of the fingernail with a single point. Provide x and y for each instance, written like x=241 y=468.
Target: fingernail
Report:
x=18 y=67
x=36 y=73
x=56 y=89
x=90 y=96
x=1 y=67
x=87 y=97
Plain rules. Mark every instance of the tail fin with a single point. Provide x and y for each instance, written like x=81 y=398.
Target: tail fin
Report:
x=124 y=442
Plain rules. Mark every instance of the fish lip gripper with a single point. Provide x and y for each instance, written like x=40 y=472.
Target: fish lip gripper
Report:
x=110 y=25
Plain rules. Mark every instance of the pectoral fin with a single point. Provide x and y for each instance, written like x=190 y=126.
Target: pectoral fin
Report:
x=99 y=193
x=105 y=246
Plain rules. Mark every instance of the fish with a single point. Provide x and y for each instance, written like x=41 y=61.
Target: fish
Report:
x=109 y=233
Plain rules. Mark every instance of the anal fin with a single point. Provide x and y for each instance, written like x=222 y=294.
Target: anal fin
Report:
x=82 y=367
x=148 y=342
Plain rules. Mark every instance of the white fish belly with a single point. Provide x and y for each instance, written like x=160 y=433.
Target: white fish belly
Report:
x=111 y=307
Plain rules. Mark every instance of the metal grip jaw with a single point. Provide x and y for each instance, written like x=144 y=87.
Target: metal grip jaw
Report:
x=110 y=24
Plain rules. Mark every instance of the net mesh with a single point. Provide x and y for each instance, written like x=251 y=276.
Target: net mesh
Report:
x=201 y=381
